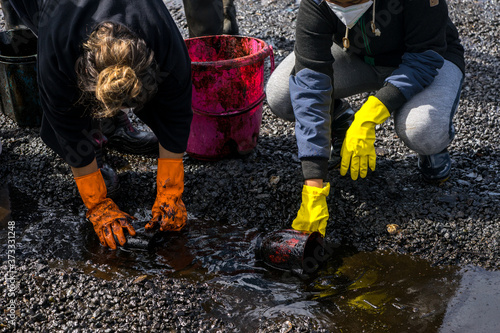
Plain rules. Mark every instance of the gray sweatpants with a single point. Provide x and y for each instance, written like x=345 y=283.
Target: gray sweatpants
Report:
x=424 y=123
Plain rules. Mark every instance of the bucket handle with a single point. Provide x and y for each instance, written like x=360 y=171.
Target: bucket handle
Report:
x=232 y=112
x=271 y=57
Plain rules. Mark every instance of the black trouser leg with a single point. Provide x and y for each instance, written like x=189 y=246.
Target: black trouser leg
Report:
x=210 y=17
x=12 y=20
x=230 y=22
x=204 y=17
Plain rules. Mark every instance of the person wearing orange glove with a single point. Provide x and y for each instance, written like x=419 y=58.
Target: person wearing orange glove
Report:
x=103 y=59
x=407 y=54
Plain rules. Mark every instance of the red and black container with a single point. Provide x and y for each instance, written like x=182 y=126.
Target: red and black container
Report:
x=291 y=250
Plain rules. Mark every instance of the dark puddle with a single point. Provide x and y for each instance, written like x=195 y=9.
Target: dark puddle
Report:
x=353 y=292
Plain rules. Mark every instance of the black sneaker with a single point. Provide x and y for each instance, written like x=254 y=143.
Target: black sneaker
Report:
x=342 y=118
x=125 y=138
x=435 y=168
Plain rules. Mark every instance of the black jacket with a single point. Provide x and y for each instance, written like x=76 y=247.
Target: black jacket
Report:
x=62 y=26
x=416 y=36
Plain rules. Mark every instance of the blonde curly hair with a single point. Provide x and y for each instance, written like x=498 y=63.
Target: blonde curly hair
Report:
x=116 y=70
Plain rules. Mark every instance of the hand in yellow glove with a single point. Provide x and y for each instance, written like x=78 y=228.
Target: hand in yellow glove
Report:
x=108 y=220
x=169 y=210
x=313 y=212
x=358 y=149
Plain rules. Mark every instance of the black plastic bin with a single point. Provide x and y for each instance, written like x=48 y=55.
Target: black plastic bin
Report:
x=18 y=80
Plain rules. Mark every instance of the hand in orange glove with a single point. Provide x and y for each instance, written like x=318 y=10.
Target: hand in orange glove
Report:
x=169 y=210
x=107 y=218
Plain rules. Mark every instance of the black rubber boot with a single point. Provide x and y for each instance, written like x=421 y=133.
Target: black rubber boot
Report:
x=435 y=168
x=342 y=117
x=125 y=138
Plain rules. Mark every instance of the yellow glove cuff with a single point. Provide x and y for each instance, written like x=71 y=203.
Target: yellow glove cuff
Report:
x=316 y=191
x=373 y=110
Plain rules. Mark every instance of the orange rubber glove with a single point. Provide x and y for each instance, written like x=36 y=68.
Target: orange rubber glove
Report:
x=358 y=149
x=169 y=210
x=107 y=218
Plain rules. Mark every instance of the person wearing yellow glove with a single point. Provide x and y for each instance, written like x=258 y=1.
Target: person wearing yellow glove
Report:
x=103 y=60
x=358 y=149
x=413 y=64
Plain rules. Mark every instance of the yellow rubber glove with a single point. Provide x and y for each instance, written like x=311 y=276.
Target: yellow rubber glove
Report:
x=313 y=212
x=358 y=149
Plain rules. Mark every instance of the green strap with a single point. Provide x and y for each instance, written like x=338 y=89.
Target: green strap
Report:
x=365 y=37
x=370 y=60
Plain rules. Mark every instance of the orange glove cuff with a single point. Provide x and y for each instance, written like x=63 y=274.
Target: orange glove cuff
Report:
x=170 y=176
x=92 y=189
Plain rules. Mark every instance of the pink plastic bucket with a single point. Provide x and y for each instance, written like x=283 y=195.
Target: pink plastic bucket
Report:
x=228 y=92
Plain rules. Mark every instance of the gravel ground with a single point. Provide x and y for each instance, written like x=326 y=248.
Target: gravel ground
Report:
x=455 y=223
